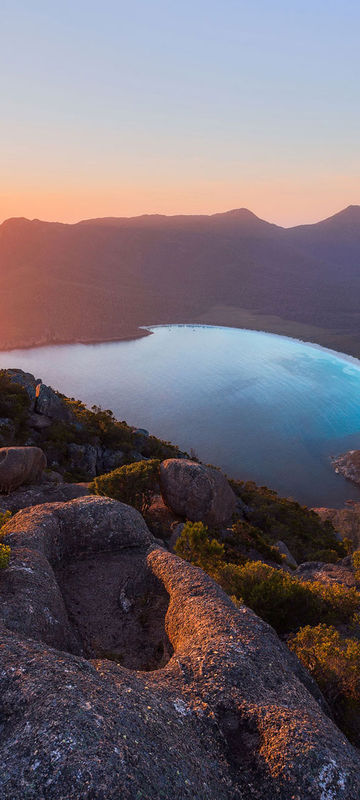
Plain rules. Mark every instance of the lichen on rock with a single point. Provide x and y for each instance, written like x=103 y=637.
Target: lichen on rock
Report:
x=226 y=712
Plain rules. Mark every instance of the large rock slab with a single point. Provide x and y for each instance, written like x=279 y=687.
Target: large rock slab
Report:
x=20 y=465
x=196 y=492
x=87 y=525
x=231 y=715
x=43 y=493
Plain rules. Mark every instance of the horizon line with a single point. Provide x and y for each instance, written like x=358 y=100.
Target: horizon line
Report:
x=150 y=215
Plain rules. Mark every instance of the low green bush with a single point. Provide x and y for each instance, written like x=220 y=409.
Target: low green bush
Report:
x=14 y=404
x=334 y=662
x=282 y=601
x=4 y=555
x=195 y=544
x=356 y=564
x=133 y=484
x=5 y=550
x=243 y=537
x=4 y=518
x=306 y=535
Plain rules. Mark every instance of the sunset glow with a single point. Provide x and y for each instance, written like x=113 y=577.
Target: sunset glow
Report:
x=196 y=108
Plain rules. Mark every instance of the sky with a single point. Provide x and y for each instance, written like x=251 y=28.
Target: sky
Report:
x=119 y=108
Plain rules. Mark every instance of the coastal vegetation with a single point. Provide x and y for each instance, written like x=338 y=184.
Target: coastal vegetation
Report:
x=5 y=550
x=311 y=616
x=133 y=484
x=302 y=530
x=334 y=661
x=243 y=556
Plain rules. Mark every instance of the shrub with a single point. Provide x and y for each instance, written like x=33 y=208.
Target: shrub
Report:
x=157 y=448
x=306 y=535
x=337 y=603
x=196 y=545
x=4 y=555
x=334 y=662
x=4 y=518
x=133 y=484
x=14 y=403
x=356 y=564
x=243 y=537
x=282 y=601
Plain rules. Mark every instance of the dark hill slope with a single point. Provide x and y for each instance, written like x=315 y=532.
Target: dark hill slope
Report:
x=101 y=279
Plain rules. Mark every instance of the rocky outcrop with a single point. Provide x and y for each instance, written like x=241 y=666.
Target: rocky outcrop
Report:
x=93 y=460
x=342 y=572
x=51 y=405
x=83 y=458
x=221 y=710
x=20 y=465
x=197 y=492
x=346 y=521
x=44 y=400
x=7 y=431
x=43 y=493
x=160 y=519
x=348 y=465
x=284 y=550
x=27 y=381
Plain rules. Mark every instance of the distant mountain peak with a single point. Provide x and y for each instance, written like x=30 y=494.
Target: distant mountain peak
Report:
x=348 y=217
x=240 y=212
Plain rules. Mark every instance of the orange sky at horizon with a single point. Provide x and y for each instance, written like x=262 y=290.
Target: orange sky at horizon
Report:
x=284 y=201
x=122 y=109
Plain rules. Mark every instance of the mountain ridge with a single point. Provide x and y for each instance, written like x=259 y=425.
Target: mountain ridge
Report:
x=100 y=280
x=233 y=212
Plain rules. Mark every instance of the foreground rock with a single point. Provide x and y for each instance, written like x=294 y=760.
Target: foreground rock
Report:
x=197 y=492
x=222 y=710
x=44 y=493
x=20 y=465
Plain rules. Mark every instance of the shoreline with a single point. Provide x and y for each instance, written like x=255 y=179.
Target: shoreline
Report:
x=139 y=334
x=147 y=330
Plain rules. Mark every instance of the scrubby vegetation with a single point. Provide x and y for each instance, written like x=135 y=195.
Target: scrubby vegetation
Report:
x=319 y=621
x=334 y=662
x=277 y=518
x=356 y=564
x=197 y=545
x=4 y=555
x=95 y=427
x=14 y=404
x=5 y=550
x=133 y=484
x=304 y=613
x=284 y=601
x=280 y=599
x=243 y=540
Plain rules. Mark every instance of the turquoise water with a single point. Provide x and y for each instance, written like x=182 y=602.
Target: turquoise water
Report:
x=261 y=406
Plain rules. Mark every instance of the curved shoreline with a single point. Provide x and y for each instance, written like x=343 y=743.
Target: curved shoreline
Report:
x=147 y=330
x=315 y=345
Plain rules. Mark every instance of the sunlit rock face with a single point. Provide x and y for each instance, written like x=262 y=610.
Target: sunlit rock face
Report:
x=126 y=672
x=197 y=492
x=19 y=465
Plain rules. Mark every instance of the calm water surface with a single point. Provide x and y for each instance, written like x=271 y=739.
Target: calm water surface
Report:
x=261 y=406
